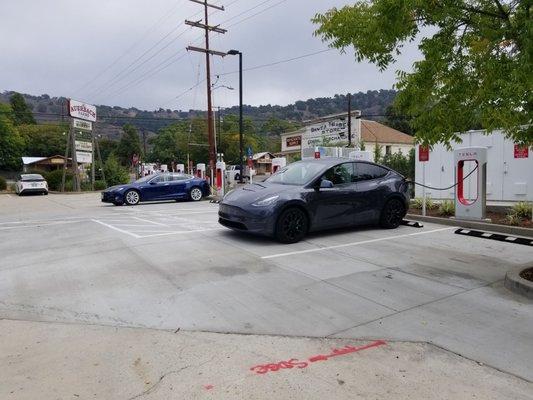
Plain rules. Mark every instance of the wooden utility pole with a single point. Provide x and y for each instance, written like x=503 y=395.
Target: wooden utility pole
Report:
x=208 y=52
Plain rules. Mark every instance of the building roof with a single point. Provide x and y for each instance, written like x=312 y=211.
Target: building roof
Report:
x=257 y=156
x=372 y=131
x=31 y=160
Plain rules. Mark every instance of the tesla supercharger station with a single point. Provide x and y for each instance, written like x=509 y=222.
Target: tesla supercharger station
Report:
x=180 y=168
x=200 y=171
x=470 y=193
x=278 y=163
x=221 y=177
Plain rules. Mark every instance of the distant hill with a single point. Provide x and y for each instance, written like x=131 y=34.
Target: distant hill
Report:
x=372 y=103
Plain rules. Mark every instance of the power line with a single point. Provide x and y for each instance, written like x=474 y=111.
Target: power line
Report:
x=156 y=68
x=129 y=49
x=125 y=72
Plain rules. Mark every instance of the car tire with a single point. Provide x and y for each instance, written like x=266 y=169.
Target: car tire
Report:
x=132 y=197
x=237 y=177
x=292 y=225
x=392 y=214
x=46 y=193
x=196 y=194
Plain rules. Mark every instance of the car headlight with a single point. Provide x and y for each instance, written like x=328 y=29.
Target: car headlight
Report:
x=266 y=201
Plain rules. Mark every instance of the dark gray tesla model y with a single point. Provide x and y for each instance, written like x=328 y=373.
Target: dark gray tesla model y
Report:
x=315 y=195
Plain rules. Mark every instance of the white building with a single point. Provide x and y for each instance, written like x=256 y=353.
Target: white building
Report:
x=509 y=168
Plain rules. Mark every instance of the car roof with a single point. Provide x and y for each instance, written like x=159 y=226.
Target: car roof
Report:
x=331 y=161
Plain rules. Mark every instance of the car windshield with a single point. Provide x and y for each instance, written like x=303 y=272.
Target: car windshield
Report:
x=31 y=178
x=145 y=178
x=298 y=173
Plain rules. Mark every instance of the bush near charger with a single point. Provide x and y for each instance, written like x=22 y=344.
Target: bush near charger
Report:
x=3 y=183
x=99 y=185
x=418 y=202
x=54 y=179
x=447 y=208
x=519 y=212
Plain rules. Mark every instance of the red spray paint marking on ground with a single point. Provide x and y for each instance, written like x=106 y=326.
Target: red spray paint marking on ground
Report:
x=294 y=363
x=208 y=387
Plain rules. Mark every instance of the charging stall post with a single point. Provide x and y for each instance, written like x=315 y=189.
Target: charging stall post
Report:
x=180 y=168
x=220 y=177
x=200 y=171
x=471 y=177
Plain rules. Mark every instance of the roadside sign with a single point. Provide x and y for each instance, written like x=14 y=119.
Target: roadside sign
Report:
x=249 y=152
x=78 y=109
x=84 y=146
x=135 y=160
x=521 y=151
x=423 y=153
x=81 y=124
x=83 y=157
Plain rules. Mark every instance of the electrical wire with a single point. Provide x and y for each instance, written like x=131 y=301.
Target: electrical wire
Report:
x=446 y=188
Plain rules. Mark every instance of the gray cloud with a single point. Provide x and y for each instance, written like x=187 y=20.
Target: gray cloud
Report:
x=56 y=47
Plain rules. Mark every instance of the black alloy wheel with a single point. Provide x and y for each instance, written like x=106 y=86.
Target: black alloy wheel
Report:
x=392 y=214
x=292 y=225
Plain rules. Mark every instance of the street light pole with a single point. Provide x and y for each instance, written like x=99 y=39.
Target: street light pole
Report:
x=241 y=145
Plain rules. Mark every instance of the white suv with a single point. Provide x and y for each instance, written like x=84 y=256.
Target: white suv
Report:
x=31 y=183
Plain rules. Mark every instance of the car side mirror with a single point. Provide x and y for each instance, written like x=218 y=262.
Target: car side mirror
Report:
x=152 y=182
x=325 y=184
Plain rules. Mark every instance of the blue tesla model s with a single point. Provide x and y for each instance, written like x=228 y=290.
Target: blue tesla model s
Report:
x=164 y=186
x=315 y=195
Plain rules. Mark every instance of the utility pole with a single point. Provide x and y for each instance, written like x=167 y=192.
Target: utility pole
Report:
x=208 y=52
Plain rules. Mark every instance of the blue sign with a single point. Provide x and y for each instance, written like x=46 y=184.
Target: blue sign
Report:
x=249 y=152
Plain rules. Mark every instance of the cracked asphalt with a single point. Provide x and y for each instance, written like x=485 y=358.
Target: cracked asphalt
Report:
x=70 y=263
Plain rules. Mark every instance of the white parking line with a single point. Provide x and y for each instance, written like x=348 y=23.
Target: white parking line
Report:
x=152 y=222
x=181 y=232
x=117 y=229
x=355 y=243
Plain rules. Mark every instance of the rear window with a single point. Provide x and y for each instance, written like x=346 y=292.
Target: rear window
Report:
x=31 y=178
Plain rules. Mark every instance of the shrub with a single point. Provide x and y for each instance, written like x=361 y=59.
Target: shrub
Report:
x=115 y=174
x=519 y=212
x=54 y=179
x=447 y=208
x=99 y=185
x=3 y=183
x=417 y=203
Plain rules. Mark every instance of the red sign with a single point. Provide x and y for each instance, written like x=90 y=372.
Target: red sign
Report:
x=521 y=151
x=423 y=153
x=294 y=141
x=250 y=163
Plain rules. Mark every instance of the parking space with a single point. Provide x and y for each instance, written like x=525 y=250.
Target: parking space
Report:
x=170 y=266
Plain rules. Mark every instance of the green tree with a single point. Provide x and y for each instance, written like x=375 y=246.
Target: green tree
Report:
x=170 y=144
x=11 y=143
x=21 y=112
x=230 y=138
x=397 y=121
x=107 y=147
x=129 y=144
x=44 y=139
x=476 y=66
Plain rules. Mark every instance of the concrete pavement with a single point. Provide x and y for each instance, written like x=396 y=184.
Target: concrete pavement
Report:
x=57 y=361
x=70 y=259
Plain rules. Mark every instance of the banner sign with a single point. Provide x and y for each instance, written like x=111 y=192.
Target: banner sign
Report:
x=84 y=146
x=521 y=151
x=327 y=133
x=80 y=110
x=81 y=124
x=293 y=141
x=423 y=153
x=83 y=157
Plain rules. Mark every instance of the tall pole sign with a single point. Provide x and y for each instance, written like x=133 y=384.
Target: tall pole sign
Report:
x=423 y=157
x=81 y=137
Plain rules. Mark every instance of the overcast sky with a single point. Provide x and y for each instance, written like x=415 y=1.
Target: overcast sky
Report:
x=103 y=52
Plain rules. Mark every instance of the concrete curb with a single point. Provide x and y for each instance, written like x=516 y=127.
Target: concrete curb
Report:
x=515 y=283
x=484 y=226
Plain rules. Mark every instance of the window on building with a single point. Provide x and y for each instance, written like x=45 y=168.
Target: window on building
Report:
x=388 y=150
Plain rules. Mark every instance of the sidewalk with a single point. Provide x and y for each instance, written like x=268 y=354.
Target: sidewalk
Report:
x=63 y=361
